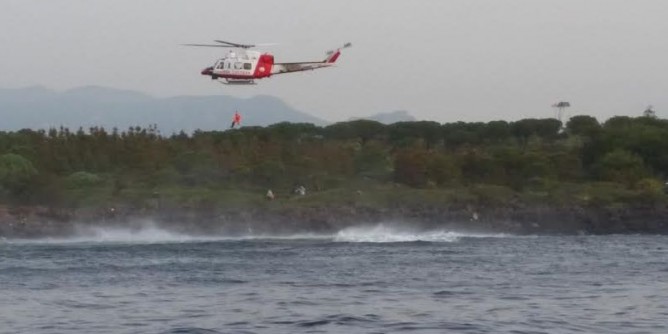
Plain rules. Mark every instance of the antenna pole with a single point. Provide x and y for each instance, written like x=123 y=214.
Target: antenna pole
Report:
x=561 y=107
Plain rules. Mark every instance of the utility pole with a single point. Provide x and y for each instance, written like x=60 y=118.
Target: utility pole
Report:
x=649 y=112
x=561 y=107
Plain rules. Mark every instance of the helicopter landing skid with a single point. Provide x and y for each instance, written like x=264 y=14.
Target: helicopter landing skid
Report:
x=237 y=82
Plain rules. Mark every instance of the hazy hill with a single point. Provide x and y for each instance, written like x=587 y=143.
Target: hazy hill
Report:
x=391 y=117
x=41 y=108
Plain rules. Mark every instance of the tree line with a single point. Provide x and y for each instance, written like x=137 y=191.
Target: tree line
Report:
x=47 y=166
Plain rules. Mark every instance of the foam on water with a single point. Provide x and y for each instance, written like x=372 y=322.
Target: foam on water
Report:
x=382 y=233
x=146 y=234
x=151 y=233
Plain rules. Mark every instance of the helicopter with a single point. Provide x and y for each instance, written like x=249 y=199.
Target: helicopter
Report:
x=242 y=66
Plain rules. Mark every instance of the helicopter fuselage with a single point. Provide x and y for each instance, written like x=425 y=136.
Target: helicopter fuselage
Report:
x=238 y=67
x=243 y=66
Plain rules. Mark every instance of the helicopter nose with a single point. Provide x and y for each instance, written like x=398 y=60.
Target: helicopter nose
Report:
x=207 y=71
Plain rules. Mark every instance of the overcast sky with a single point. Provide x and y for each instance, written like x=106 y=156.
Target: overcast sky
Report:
x=442 y=60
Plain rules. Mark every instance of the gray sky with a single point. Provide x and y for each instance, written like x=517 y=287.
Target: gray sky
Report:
x=442 y=60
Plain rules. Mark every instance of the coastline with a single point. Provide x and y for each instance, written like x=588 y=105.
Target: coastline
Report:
x=46 y=222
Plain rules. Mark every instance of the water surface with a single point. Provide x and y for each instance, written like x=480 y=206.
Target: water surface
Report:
x=361 y=280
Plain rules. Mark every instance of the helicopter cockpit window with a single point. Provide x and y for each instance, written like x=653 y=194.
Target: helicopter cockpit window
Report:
x=220 y=65
x=247 y=66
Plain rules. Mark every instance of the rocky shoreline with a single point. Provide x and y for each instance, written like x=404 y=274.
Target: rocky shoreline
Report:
x=44 y=222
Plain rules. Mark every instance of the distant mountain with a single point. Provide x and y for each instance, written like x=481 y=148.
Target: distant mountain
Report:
x=41 y=108
x=391 y=117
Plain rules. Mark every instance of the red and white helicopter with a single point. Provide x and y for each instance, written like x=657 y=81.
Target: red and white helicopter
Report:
x=243 y=66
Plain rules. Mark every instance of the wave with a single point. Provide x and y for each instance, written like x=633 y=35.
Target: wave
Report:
x=382 y=233
x=150 y=233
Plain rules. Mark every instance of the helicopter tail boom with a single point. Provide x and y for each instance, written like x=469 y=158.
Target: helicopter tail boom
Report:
x=332 y=56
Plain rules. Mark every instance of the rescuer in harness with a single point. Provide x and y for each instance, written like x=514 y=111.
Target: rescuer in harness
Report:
x=236 y=120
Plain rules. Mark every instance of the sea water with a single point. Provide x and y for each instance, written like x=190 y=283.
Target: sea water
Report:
x=366 y=279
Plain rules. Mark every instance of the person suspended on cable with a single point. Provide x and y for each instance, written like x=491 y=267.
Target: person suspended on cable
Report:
x=236 y=120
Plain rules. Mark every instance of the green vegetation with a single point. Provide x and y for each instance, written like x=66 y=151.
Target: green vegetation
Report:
x=532 y=161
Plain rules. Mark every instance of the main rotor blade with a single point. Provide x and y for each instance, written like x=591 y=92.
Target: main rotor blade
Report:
x=244 y=46
x=211 y=45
